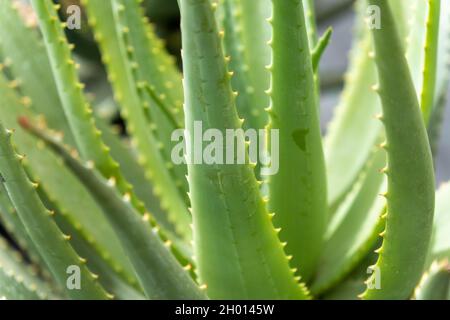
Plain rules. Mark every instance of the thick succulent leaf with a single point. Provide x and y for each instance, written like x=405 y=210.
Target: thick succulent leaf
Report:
x=75 y=105
x=125 y=155
x=351 y=287
x=93 y=144
x=297 y=192
x=87 y=136
x=237 y=250
x=430 y=60
x=61 y=186
x=52 y=244
x=11 y=222
x=410 y=196
x=155 y=69
x=143 y=188
x=440 y=244
x=353 y=228
x=320 y=48
x=355 y=123
x=245 y=42
x=352 y=123
x=111 y=40
x=110 y=279
x=435 y=283
x=442 y=81
x=17 y=279
x=443 y=70
x=160 y=274
x=366 y=240
x=155 y=66
x=428 y=51
x=311 y=25
x=23 y=50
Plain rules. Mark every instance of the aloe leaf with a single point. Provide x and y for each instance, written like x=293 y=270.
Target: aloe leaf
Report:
x=301 y=212
x=110 y=275
x=50 y=241
x=311 y=25
x=110 y=279
x=61 y=186
x=442 y=81
x=136 y=175
x=20 y=43
x=237 y=250
x=352 y=123
x=443 y=70
x=11 y=222
x=158 y=271
x=342 y=213
x=410 y=196
x=353 y=228
x=155 y=66
x=440 y=243
x=111 y=40
x=427 y=95
x=82 y=123
x=428 y=52
x=319 y=49
x=17 y=279
x=435 y=283
x=147 y=68
x=75 y=105
x=125 y=155
x=246 y=33
x=356 y=124
x=351 y=287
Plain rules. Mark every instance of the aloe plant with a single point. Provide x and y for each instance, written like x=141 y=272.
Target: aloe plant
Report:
x=97 y=214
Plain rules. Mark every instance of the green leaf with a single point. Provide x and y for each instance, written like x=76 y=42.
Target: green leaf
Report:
x=435 y=283
x=125 y=155
x=11 y=222
x=311 y=25
x=410 y=196
x=353 y=124
x=52 y=244
x=237 y=250
x=297 y=192
x=75 y=105
x=320 y=48
x=17 y=279
x=351 y=117
x=150 y=67
x=246 y=33
x=61 y=186
x=112 y=280
x=442 y=81
x=356 y=124
x=158 y=271
x=351 y=287
x=110 y=37
x=353 y=228
x=440 y=243
x=430 y=65
x=20 y=43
